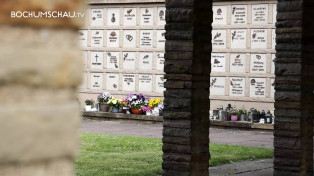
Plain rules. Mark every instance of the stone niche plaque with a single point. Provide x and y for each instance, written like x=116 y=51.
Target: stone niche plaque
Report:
x=237 y=86
x=260 y=14
x=96 y=81
x=274 y=13
x=96 y=60
x=217 y=85
x=238 y=38
x=258 y=63
x=113 y=38
x=129 y=38
x=83 y=37
x=161 y=40
x=97 y=38
x=237 y=62
x=129 y=60
x=218 y=62
x=128 y=82
x=147 y=16
x=161 y=19
x=273 y=57
x=273 y=37
x=113 y=60
x=160 y=61
x=146 y=38
x=112 y=81
x=239 y=14
x=258 y=38
x=160 y=83
x=272 y=88
x=113 y=16
x=97 y=17
x=129 y=17
x=146 y=61
x=219 y=39
x=145 y=83
x=220 y=15
x=258 y=87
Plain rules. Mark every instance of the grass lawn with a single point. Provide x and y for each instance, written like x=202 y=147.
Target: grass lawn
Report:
x=104 y=155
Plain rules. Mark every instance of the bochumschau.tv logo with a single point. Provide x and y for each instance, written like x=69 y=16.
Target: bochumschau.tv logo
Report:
x=46 y=14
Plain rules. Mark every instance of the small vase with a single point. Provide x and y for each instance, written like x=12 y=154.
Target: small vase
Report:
x=148 y=113
x=136 y=111
x=155 y=111
x=125 y=110
x=104 y=107
x=88 y=107
x=115 y=110
x=243 y=117
x=234 y=118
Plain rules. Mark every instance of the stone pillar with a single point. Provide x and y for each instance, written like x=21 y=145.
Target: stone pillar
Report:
x=294 y=89
x=40 y=68
x=187 y=67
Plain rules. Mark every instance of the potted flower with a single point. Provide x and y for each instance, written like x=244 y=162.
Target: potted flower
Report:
x=114 y=104
x=242 y=113
x=103 y=99
x=147 y=109
x=154 y=103
x=89 y=104
x=135 y=102
x=124 y=106
x=234 y=115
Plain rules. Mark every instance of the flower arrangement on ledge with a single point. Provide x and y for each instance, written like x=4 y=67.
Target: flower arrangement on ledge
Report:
x=135 y=102
x=114 y=104
x=103 y=99
x=88 y=104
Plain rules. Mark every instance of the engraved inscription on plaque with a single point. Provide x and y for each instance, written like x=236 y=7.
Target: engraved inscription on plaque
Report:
x=273 y=36
x=237 y=86
x=220 y=15
x=146 y=61
x=97 y=17
x=112 y=81
x=113 y=16
x=238 y=38
x=239 y=14
x=219 y=39
x=113 y=60
x=129 y=60
x=160 y=61
x=97 y=59
x=128 y=82
x=129 y=17
x=260 y=14
x=113 y=38
x=237 y=62
x=97 y=38
x=161 y=40
x=83 y=37
x=258 y=63
x=96 y=81
x=161 y=19
x=146 y=38
x=218 y=62
x=160 y=83
x=258 y=38
x=147 y=16
x=145 y=83
x=217 y=85
x=129 y=38
x=258 y=87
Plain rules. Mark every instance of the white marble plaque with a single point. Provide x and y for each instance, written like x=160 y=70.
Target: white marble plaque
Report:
x=129 y=18
x=146 y=61
x=260 y=14
x=128 y=82
x=97 y=17
x=97 y=38
x=274 y=13
x=238 y=38
x=161 y=40
x=84 y=82
x=83 y=37
x=217 y=85
x=147 y=16
x=272 y=88
x=129 y=60
x=258 y=63
x=146 y=38
x=237 y=62
x=160 y=83
x=237 y=86
x=96 y=60
x=145 y=83
x=219 y=39
x=258 y=87
x=218 y=62
x=220 y=15
x=161 y=20
x=129 y=38
x=239 y=14
x=113 y=38
x=273 y=37
x=160 y=61
x=258 y=38
x=112 y=81
x=113 y=16
x=113 y=60
x=96 y=81
x=273 y=57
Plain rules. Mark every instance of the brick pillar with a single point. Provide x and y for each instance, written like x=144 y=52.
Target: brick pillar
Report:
x=40 y=67
x=187 y=67
x=294 y=89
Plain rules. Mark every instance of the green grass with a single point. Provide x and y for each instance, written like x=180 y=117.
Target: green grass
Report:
x=111 y=155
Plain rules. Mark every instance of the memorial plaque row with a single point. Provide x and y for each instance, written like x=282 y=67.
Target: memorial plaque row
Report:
x=258 y=63
x=129 y=38
x=237 y=87
x=129 y=16
x=239 y=14
x=238 y=39
x=145 y=82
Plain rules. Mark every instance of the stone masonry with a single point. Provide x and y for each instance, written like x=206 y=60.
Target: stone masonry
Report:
x=187 y=67
x=294 y=89
x=40 y=70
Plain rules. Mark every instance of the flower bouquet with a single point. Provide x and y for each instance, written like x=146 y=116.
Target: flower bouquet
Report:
x=124 y=106
x=103 y=98
x=135 y=102
x=89 y=104
x=155 y=104
x=147 y=109
x=114 y=104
